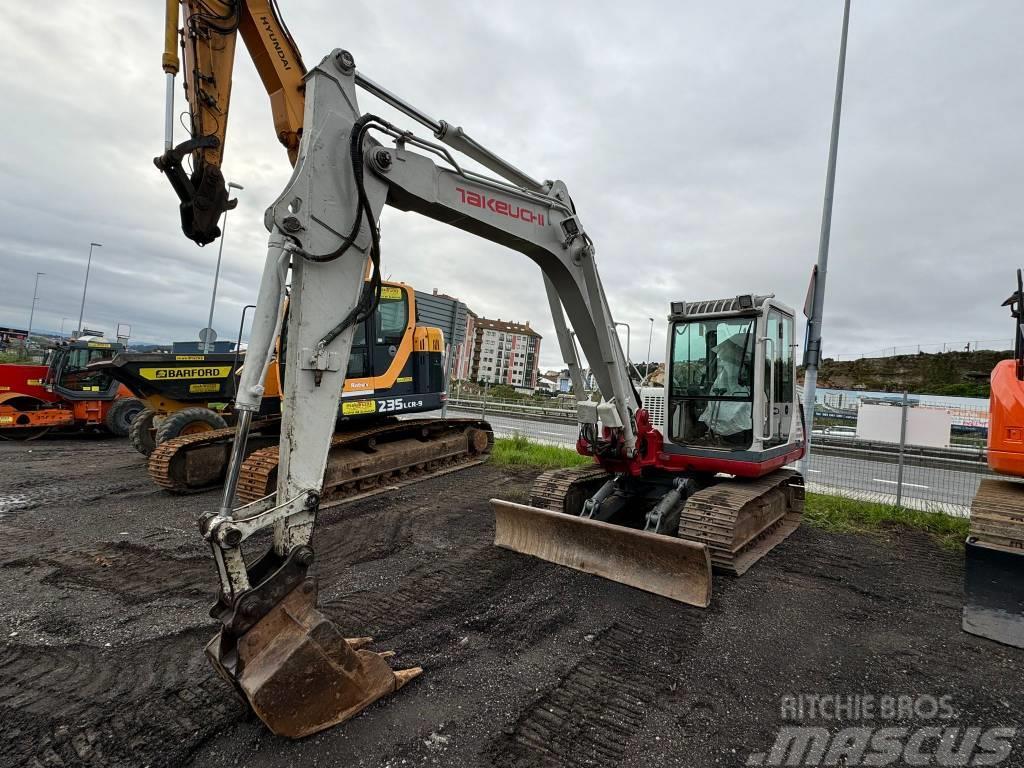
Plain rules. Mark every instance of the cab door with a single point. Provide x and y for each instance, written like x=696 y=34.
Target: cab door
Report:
x=387 y=328
x=778 y=380
x=359 y=361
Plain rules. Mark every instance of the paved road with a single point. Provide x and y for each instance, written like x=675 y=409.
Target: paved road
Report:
x=923 y=487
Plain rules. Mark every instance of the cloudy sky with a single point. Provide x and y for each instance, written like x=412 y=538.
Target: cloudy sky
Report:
x=692 y=135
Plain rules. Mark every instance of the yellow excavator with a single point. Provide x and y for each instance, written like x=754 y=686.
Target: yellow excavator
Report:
x=685 y=477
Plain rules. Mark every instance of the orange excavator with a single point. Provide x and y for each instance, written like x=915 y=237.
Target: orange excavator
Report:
x=994 y=583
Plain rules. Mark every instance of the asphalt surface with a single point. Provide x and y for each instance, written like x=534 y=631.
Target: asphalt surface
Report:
x=106 y=586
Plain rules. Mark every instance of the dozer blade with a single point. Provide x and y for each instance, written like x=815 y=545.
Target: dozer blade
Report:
x=299 y=673
x=667 y=566
x=994 y=592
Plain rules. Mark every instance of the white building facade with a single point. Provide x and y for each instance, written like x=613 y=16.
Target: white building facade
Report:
x=505 y=353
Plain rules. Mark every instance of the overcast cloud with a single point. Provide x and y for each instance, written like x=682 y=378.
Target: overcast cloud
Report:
x=692 y=135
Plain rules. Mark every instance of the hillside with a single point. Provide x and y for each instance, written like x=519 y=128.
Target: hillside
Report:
x=962 y=374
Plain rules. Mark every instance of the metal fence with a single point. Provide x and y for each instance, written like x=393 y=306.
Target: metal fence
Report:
x=916 y=451
x=969 y=345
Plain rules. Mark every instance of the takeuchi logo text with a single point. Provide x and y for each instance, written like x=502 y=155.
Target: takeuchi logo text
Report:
x=502 y=207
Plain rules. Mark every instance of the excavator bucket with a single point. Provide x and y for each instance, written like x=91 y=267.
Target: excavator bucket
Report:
x=994 y=592
x=299 y=673
x=667 y=566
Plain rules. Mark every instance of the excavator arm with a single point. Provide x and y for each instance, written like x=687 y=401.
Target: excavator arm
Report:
x=207 y=39
x=324 y=229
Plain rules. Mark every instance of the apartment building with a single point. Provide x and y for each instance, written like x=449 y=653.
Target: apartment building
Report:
x=505 y=353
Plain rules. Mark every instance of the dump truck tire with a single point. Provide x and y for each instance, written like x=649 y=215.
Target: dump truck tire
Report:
x=189 y=421
x=121 y=415
x=141 y=432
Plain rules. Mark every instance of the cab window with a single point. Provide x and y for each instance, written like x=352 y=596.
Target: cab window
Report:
x=75 y=376
x=358 y=361
x=392 y=316
x=710 y=390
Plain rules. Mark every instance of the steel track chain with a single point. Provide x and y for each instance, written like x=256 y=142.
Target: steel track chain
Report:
x=258 y=475
x=997 y=514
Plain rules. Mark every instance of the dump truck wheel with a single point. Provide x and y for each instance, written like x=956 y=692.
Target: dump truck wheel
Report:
x=141 y=432
x=188 y=421
x=121 y=415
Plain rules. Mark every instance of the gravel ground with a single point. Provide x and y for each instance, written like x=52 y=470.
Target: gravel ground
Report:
x=104 y=617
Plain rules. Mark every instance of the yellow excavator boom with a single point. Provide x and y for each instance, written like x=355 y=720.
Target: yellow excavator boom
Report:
x=208 y=34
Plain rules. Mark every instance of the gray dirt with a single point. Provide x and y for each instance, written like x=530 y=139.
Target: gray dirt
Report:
x=106 y=587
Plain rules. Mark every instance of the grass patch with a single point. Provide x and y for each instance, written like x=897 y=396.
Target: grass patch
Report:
x=838 y=514
x=517 y=451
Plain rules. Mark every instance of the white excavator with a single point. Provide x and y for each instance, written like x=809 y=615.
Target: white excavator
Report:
x=685 y=477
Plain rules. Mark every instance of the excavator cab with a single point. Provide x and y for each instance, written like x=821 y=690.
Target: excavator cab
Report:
x=730 y=383
x=68 y=373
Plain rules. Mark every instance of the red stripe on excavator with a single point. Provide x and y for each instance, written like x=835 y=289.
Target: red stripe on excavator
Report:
x=703 y=464
x=679 y=462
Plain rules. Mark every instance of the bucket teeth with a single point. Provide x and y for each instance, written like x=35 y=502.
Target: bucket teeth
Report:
x=298 y=672
x=403 y=676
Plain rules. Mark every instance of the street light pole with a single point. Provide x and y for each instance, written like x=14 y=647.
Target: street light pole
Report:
x=647 y=362
x=816 y=295
x=216 y=275
x=62 y=321
x=88 y=265
x=32 y=312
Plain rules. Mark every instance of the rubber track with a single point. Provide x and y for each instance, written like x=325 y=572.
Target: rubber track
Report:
x=997 y=514
x=550 y=489
x=257 y=477
x=160 y=460
x=711 y=516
